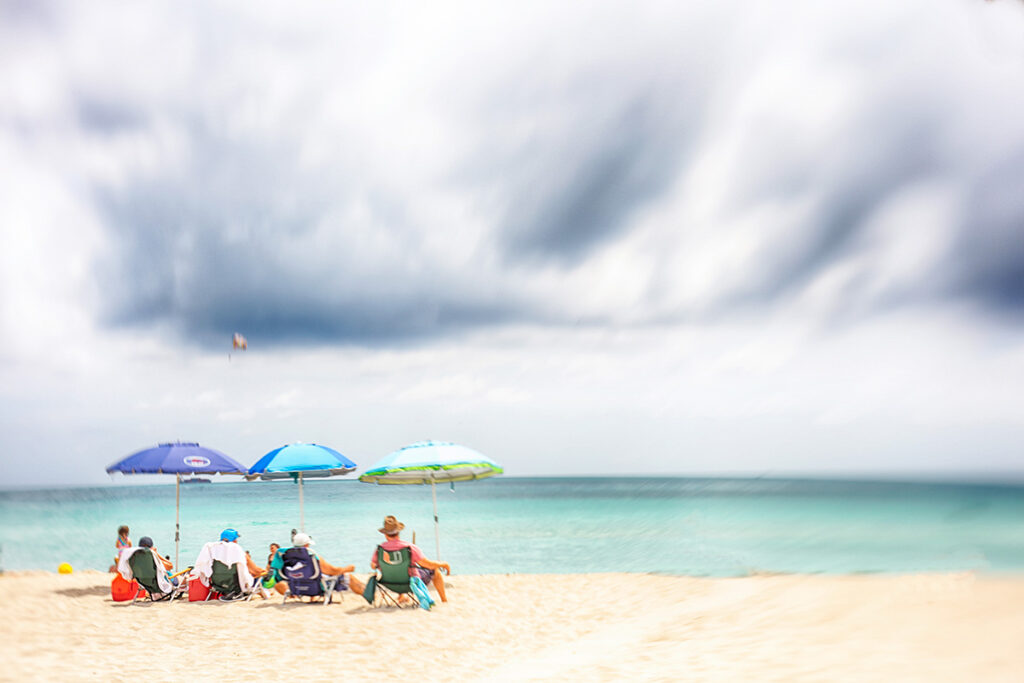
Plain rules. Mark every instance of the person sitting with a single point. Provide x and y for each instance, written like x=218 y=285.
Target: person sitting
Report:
x=227 y=551
x=428 y=570
x=147 y=542
x=274 y=547
x=272 y=577
x=164 y=579
x=346 y=580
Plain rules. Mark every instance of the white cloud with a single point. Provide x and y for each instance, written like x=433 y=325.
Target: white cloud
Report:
x=354 y=174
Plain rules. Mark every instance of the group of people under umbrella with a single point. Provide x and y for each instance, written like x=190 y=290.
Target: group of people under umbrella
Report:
x=423 y=462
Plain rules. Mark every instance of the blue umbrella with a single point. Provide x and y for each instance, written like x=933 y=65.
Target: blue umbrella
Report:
x=428 y=462
x=177 y=458
x=299 y=460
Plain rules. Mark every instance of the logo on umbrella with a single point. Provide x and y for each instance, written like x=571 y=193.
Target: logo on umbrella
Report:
x=196 y=461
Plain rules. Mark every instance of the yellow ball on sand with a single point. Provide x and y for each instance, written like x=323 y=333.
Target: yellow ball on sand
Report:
x=64 y=568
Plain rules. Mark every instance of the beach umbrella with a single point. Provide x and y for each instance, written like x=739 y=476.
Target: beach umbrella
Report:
x=299 y=460
x=430 y=462
x=177 y=458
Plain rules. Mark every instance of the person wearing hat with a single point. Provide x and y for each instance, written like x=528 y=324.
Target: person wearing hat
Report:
x=147 y=542
x=347 y=580
x=228 y=551
x=428 y=570
x=231 y=536
x=164 y=578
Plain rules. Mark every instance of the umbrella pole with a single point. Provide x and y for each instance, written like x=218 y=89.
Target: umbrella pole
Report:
x=437 y=533
x=177 y=518
x=302 y=508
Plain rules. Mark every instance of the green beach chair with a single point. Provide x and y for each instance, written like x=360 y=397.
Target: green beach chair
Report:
x=144 y=571
x=392 y=580
x=224 y=582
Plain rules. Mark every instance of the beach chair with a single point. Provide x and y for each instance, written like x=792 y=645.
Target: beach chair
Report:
x=301 y=570
x=393 y=580
x=224 y=582
x=144 y=571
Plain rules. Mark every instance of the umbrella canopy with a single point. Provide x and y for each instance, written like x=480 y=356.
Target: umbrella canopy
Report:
x=177 y=458
x=308 y=459
x=429 y=462
x=299 y=460
x=426 y=462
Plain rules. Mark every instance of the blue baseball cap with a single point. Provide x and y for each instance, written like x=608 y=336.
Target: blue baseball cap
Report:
x=229 y=535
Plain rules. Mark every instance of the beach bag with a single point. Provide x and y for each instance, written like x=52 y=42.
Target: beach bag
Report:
x=370 y=592
x=122 y=590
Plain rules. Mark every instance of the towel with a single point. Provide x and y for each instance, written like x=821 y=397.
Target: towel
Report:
x=125 y=570
x=230 y=554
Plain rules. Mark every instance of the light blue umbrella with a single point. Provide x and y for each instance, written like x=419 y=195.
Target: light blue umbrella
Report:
x=429 y=462
x=177 y=458
x=299 y=460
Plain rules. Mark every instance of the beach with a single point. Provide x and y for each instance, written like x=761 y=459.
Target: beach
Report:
x=928 y=627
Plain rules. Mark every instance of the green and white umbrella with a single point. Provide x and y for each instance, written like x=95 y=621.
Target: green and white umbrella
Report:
x=431 y=462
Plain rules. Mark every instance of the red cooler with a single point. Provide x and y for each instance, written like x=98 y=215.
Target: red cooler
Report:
x=197 y=592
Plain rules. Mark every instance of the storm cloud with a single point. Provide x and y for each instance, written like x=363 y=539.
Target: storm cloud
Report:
x=701 y=238
x=302 y=188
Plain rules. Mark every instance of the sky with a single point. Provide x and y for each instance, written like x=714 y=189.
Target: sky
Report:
x=702 y=238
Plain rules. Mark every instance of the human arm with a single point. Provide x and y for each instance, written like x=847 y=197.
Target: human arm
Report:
x=254 y=568
x=430 y=564
x=420 y=560
x=167 y=564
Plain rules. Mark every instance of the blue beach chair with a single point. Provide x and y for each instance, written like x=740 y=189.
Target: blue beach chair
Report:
x=301 y=570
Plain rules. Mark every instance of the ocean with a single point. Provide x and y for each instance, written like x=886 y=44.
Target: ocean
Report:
x=685 y=526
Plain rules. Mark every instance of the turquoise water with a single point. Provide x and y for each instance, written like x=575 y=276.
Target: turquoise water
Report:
x=700 y=527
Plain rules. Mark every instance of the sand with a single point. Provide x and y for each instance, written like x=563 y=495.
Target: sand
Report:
x=540 y=627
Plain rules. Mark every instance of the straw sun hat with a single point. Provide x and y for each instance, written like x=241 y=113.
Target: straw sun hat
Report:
x=391 y=526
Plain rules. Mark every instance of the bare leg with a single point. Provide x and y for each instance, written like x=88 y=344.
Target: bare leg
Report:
x=438 y=582
x=355 y=585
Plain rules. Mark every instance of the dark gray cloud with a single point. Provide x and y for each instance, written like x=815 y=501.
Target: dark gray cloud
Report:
x=27 y=13
x=575 y=186
x=243 y=239
x=243 y=232
x=987 y=263
x=895 y=143
x=103 y=115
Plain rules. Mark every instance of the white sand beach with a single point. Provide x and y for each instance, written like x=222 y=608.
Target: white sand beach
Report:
x=533 y=627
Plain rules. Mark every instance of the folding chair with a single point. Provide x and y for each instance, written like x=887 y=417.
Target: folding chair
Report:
x=301 y=570
x=393 y=580
x=224 y=582
x=144 y=570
